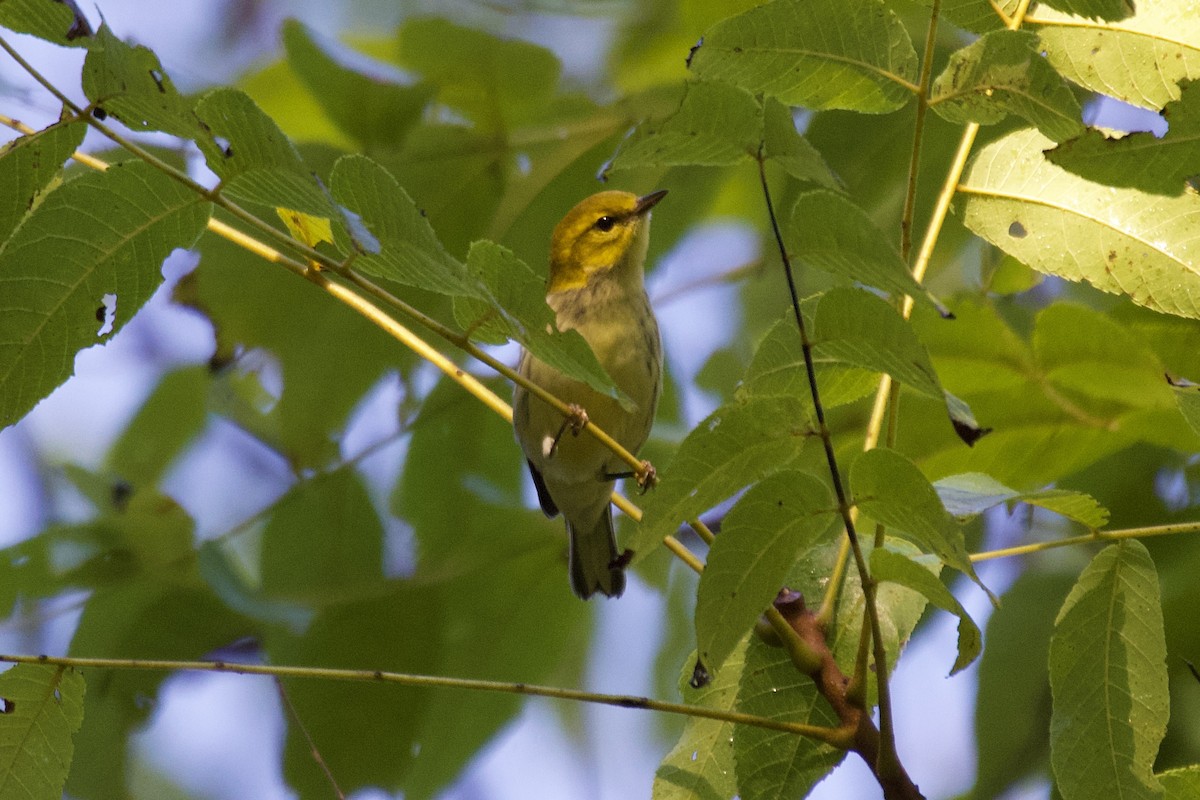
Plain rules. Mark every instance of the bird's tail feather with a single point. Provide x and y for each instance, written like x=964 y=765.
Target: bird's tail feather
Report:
x=593 y=556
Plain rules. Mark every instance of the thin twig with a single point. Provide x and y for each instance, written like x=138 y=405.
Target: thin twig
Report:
x=888 y=759
x=1095 y=536
x=822 y=734
x=312 y=746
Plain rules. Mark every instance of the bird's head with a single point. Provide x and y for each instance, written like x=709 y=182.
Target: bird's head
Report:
x=605 y=233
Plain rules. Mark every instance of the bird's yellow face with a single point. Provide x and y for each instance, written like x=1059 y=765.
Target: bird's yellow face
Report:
x=600 y=234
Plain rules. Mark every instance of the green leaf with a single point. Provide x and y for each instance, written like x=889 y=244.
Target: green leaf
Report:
x=974 y=16
x=736 y=445
x=30 y=166
x=1119 y=240
x=761 y=538
x=1108 y=675
x=899 y=608
x=138 y=619
x=1160 y=165
x=890 y=489
x=328 y=363
x=1139 y=59
x=1002 y=73
x=1092 y=358
x=518 y=311
x=255 y=161
x=777 y=369
x=1095 y=9
x=169 y=419
x=829 y=231
x=480 y=487
x=700 y=766
x=57 y=22
x=784 y=145
x=856 y=327
x=1181 y=783
x=408 y=250
x=365 y=100
x=537 y=633
x=970 y=494
x=1012 y=700
x=128 y=82
x=324 y=541
x=498 y=83
x=1187 y=396
x=349 y=636
x=773 y=764
x=821 y=54
x=42 y=708
x=62 y=261
x=887 y=565
x=716 y=125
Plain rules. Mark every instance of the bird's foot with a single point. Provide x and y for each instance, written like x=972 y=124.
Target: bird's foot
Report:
x=647 y=477
x=576 y=420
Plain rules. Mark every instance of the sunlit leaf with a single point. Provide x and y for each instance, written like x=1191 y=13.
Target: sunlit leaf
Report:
x=1181 y=783
x=1119 y=240
x=1161 y=165
x=1002 y=73
x=1108 y=674
x=820 y=54
x=1139 y=59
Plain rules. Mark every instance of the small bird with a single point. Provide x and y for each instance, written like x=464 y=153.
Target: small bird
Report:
x=597 y=256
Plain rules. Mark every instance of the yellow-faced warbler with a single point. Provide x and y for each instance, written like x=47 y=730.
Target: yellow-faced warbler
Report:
x=595 y=287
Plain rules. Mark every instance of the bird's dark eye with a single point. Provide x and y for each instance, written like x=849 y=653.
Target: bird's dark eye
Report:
x=606 y=223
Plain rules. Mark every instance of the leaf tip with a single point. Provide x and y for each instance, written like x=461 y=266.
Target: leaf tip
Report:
x=700 y=675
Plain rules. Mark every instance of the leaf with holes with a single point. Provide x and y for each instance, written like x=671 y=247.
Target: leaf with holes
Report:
x=1139 y=59
x=65 y=257
x=1160 y=165
x=41 y=708
x=1119 y=240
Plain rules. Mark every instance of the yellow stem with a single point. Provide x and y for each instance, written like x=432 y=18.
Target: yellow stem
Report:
x=1095 y=536
x=828 y=735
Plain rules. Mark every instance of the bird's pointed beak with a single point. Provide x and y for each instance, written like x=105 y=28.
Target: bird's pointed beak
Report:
x=648 y=201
